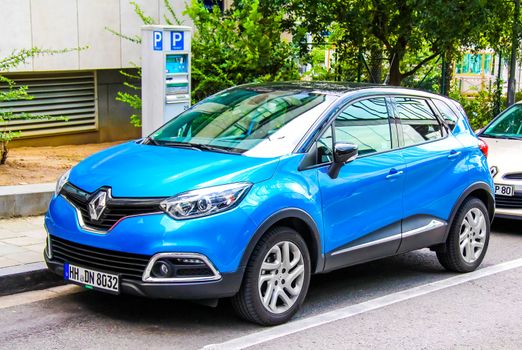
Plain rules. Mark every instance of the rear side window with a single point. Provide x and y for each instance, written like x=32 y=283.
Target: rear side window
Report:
x=417 y=121
x=366 y=124
x=447 y=113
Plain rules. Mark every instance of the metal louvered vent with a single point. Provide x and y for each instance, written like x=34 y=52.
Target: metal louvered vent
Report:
x=68 y=95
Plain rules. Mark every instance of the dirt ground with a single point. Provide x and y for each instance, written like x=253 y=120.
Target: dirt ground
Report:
x=29 y=165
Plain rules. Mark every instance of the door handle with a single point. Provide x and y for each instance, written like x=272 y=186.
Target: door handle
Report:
x=454 y=154
x=394 y=173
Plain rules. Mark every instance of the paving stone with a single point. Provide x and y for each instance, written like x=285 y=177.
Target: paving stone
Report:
x=17 y=225
x=38 y=248
x=23 y=241
x=26 y=258
x=39 y=233
x=7 y=249
x=6 y=262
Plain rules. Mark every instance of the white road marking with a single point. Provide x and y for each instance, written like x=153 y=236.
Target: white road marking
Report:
x=37 y=295
x=352 y=310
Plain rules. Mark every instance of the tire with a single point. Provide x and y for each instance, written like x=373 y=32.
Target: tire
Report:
x=248 y=302
x=466 y=230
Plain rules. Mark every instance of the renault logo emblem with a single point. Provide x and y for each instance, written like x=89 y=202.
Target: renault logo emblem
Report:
x=97 y=205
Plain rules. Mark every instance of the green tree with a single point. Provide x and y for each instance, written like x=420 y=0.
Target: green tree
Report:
x=238 y=46
x=405 y=28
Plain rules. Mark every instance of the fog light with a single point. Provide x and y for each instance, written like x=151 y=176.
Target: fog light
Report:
x=190 y=261
x=161 y=269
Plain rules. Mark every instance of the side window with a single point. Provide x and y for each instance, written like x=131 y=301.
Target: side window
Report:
x=325 y=147
x=418 y=122
x=447 y=113
x=366 y=124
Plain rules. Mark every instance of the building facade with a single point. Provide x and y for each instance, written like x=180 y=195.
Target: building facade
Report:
x=482 y=71
x=79 y=85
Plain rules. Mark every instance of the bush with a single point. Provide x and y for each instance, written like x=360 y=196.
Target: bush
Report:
x=479 y=108
x=238 y=46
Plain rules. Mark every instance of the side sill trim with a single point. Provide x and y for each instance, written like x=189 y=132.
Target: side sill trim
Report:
x=368 y=244
x=433 y=224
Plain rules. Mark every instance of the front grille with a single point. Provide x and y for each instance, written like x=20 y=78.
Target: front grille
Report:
x=127 y=265
x=116 y=208
x=507 y=202
x=513 y=176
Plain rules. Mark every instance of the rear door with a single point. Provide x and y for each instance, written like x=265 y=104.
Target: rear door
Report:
x=435 y=163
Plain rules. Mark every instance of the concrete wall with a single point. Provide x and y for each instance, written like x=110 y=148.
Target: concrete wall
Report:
x=113 y=117
x=62 y=24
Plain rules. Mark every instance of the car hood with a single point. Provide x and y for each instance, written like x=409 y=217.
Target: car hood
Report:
x=505 y=154
x=136 y=170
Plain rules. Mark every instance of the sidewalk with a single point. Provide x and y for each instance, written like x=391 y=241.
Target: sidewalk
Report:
x=22 y=267
x=22 y=241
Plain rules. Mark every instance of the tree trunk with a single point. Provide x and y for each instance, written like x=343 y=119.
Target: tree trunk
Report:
x=447 y=77
x=376 y=64
x=513 y=59
x=395 y=70
x=3 y=152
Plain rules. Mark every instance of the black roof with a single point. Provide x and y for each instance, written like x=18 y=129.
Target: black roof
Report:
x=335 y=87
x=329 y=87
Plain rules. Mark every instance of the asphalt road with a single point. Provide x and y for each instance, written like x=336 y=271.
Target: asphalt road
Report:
x=485 y=313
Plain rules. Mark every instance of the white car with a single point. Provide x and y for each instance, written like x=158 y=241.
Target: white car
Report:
x=504 y=138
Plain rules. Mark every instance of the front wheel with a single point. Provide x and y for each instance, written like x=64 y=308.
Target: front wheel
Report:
x=276 y=278
x=468 y=238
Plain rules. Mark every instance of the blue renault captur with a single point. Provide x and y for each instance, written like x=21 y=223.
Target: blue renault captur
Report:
x=251 y=191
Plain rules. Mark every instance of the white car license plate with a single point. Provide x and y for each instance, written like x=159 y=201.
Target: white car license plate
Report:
x=504 y=190
x=91 y=279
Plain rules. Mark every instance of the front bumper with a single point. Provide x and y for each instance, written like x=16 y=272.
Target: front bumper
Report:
x=227 y=286
x=504 y=213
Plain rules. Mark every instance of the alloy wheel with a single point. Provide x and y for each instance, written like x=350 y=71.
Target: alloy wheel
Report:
x=472 y=235
x=281 y=277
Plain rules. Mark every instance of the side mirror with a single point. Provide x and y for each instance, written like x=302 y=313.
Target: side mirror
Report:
x=343 y=153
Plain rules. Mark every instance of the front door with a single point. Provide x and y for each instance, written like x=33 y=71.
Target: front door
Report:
x=362 y=207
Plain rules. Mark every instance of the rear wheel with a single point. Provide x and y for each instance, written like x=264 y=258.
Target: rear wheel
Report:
x=468 y=238
x=276 y=278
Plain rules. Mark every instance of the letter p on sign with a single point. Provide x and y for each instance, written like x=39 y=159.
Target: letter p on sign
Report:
x=176 y=40
x=157 y=40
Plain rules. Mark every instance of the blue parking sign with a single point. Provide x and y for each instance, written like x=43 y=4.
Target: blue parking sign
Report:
x=177 y=40
x=157 y=40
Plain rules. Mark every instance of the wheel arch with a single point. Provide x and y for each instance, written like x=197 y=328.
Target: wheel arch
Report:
x=480 y=190
x=300 y=221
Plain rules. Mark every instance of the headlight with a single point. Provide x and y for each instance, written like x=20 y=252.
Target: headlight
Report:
x=205 y=201
x=61 y=181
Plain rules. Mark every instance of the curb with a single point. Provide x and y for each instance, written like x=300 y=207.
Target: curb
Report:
x=25 y=200
x=28 y=277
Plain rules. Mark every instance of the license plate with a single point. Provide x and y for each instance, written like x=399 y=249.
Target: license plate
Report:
x=91 y=279
x=504 y=190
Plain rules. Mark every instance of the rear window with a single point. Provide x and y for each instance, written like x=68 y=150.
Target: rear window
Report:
x=447 y=113
x=418 y=122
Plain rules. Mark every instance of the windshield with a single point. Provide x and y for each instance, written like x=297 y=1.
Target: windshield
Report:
x=508 y=125
x=254 y=121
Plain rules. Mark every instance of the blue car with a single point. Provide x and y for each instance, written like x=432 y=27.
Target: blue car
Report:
x=251 y=191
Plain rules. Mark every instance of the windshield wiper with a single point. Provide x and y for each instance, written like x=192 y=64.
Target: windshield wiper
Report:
x=179 y=144
x=197 y=146
x=214 y=148
x=501 y=137
x=150 y=141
